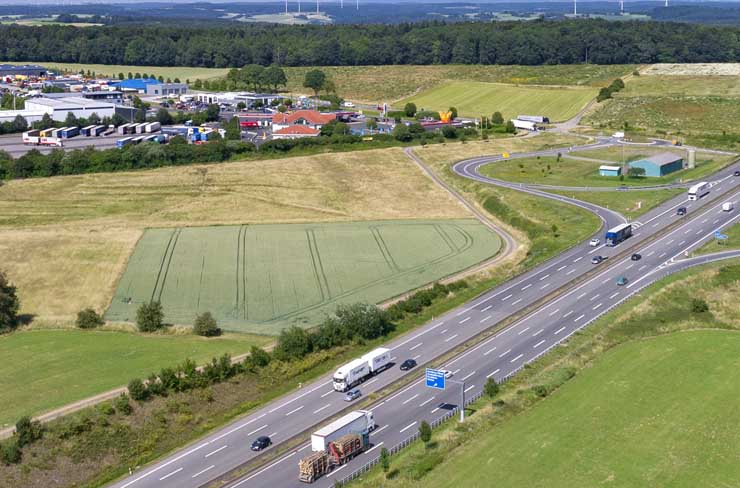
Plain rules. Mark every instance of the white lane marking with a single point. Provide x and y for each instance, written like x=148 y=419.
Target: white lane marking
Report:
x=544 y=286
x=570 y=272
x=671 y=241
x=562 y=267
x=219 y=449
x=554 y=312
x=578 y=318
x=651 y=253
x=687 y=231
x=468 y=376
x=704 y=221
x=450 y=338
x=506 y=297
x=407 y=427
x=410 y=399
x=567 y=314
x=374 y=447
x=339 y=468
x=597 y=306
x=464 y=320
x=493 y=373
x=611 y=297
x=581 y=296
x=202 y=471
x=516 y=301
x=605 y=280
x=171 y=474
x=629 y=267
x=538 y=332
x=435 y=409
x=468 y=388
x=443 y=332
x=418 y=345
x=656 y=224
x=489 y=351
x=272 y=435
x=505 y=353
x=516 y=358
x=715 y=221
x=699 y=231
x=257 y=430
x=299 y=396
x=425 y=402
x=376 y=431
x=523 y=331
x=270 y=466
x=295 y=410
x=414 y=358
x=642 y=267
x=322 y=408
x=593 y=298
x=539 y=344
x=578 y=259
x=485 y=318
x=487 y=308
x=682 y=243
x=327 y=393
x=525 y=287
x=545 y=277
x=559 y=330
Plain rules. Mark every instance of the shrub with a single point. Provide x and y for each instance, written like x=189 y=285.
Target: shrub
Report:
x=410 y=109
x=10 y=452
x=27 y=431
x=698 y=305
x=292 y=343
x=425 y=432
x=122 y=405
x=205 y=325
x=88 y=319
x=491 y=388
x=258 y=358
x=149 y=317
x=137 y=390
x=540 y=391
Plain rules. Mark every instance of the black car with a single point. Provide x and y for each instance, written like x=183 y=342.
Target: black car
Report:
x=736 y=173
x=681 y=211
x=262 y=442
x=636 y=257
x=408 y=364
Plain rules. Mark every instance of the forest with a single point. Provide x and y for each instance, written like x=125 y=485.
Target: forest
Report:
x=527 y=43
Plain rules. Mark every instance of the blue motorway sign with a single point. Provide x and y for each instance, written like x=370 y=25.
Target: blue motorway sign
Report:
x=719 y=235
x=435 y=379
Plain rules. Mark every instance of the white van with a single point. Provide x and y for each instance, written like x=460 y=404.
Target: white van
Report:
x=728 y=206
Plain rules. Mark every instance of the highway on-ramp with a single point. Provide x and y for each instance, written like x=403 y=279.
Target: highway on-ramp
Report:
x=550 y=322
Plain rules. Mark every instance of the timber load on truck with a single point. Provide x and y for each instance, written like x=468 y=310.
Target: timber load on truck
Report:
x=338 y=453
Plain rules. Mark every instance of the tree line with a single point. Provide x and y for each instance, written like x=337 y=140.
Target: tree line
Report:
x=527 y=43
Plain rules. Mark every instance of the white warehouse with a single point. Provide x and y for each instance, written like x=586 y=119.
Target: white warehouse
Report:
x=58 y=108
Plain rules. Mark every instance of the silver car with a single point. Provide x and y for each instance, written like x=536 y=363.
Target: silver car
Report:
x=352 y=395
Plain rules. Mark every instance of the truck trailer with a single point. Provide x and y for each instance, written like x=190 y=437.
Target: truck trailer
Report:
x=617 y=234
x=152 y=127
x=87 y=131
x=31 y=137
x=538 y=119
x=338 y=452
x=353 y=423
x=524 y=124
x=69 y=132
x=357 y=371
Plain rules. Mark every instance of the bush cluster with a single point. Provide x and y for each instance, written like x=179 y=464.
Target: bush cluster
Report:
x=88 y=319
x=415 y=303
x=606 y=92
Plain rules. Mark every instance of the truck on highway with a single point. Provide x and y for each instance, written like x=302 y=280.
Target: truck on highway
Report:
x=524 y=124
x=538 y=119
x=357 y=371
x=338 y=452
x=355 y=422
x=31 y=137
x=617 y=234
x=699 y=190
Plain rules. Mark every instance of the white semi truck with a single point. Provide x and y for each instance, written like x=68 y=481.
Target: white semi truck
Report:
x=357 y=371
x=524 y=124
x=357 y=422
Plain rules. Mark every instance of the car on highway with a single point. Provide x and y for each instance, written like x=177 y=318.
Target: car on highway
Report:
x=408 y=364
x=594 y=242
x=636 y=257
x=262 y=442
x=352 y=395
x=448 y=374
x=597 y=259
x=621 y=281
x=681 y=211
x=736 y=173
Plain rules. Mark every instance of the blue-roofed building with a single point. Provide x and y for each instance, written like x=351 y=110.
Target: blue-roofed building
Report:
x=137 y=84
x=660 y=164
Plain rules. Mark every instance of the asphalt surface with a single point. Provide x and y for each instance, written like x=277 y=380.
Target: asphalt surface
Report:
x=13 y=144
x=500 y=356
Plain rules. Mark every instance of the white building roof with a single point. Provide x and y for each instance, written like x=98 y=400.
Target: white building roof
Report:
x=69 y=103
x=609 y=168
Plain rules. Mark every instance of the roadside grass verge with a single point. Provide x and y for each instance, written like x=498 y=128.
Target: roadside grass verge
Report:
x=732 y=241
x=631 y=203
x=641 y=380
x=45 y=369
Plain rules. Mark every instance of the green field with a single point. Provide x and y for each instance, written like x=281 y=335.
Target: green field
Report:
x=658 y=412
x=112 y=70
x=43 y=369
x=571 y=170
x=631 y=204
x=261 y=278
x=474 y=99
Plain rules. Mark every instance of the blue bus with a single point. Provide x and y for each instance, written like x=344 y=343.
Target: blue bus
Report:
x=617 y=234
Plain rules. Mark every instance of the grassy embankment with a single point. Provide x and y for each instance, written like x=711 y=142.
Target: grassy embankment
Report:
x=647 y=405
x=703 y=110
x=732 y=241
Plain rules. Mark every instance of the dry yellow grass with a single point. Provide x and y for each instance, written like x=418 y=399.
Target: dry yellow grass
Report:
x=65 y=240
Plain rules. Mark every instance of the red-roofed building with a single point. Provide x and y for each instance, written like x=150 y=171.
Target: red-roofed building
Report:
x=307 y=118
x=294 y=132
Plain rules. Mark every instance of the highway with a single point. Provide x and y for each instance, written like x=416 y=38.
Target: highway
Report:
x=499 y=356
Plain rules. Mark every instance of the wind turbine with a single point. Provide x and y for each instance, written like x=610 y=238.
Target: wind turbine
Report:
x=621 y=7
x=575 y=8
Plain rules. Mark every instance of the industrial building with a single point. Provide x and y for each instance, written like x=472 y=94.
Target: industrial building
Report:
x=31 y=116
x=660 y=164
x=166 y=89
x=308 y=118
x=107 y=96
x=605 y=170
x=58 y=108
x=295 y=132
x=250 y=99
x=28 y=70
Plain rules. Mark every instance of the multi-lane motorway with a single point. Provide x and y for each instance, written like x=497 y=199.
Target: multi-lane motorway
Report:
x=554 y=307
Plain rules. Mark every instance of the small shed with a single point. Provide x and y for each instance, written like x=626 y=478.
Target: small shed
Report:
x=660 y=164
x=605 y=170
